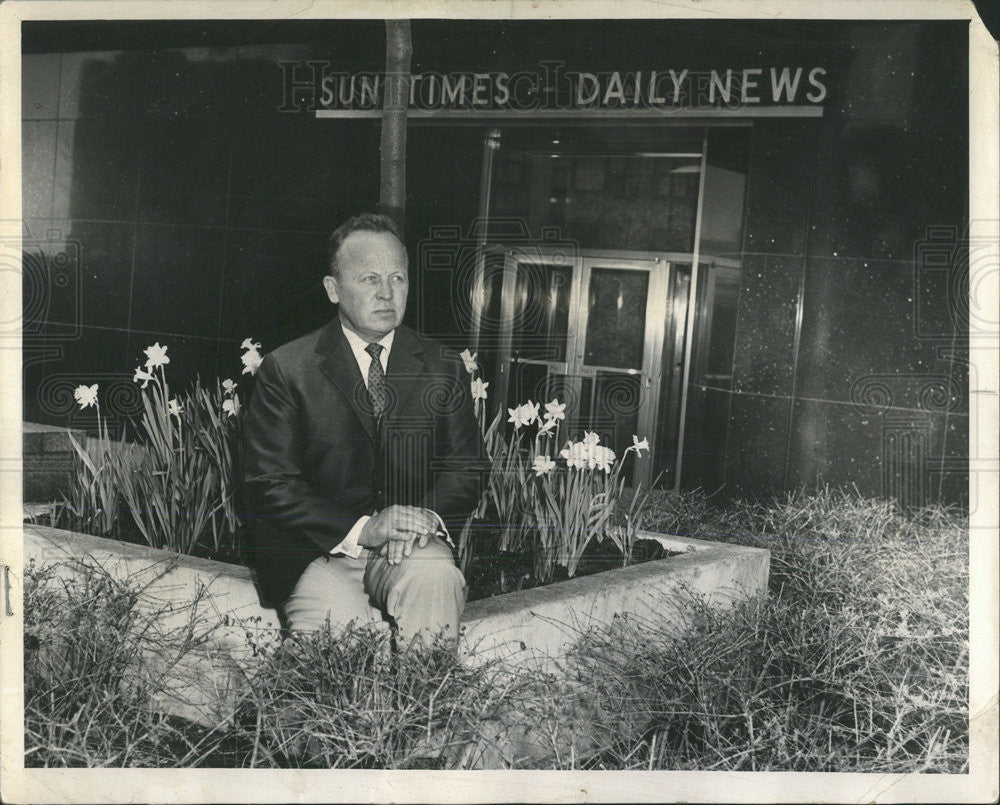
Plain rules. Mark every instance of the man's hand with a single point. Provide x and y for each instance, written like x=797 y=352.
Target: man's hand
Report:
x=394 y=530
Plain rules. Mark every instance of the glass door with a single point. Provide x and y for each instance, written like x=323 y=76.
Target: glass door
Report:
x=617 y=362
x=594 y=282
x=587 y=330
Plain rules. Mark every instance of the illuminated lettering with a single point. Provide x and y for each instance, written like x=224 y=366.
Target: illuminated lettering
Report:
x=749 y=83
x=716 y=83
x=584 y=77
x=501 y=99
x=677 y=79
x=784 y=84
x=452 y=93
x=820 y=93
x=614 y=89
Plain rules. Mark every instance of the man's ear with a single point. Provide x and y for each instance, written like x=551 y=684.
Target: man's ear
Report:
x=330 y=284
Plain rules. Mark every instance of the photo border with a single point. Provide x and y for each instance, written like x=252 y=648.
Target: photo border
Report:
x=199 y=785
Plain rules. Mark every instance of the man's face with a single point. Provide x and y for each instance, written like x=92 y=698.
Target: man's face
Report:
x=371 y=285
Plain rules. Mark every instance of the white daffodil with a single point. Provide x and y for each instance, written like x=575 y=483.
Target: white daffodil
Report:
x=604 y=457
x=251 y=361
x=543 y=465
x=546 y=428
x=530 y=412
x=249 y=343
x=231 y=407
x=523 y=415
x=142 y=375
x=516 y=416
x=479 y=389
x=575 y=454
x=591 y=439
x=156 y=356
x=639 y=446
x=555 y=410
x=86 y=396
x=228 y=386
x=469 y=359
x=174 y=407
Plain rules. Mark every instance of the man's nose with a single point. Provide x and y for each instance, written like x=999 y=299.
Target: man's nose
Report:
x=384 y=289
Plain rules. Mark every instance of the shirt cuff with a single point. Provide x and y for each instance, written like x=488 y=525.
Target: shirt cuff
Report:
x=443 y=527
x=349 y=546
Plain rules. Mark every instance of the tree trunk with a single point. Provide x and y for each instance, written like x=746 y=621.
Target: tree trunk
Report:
x=398 y=49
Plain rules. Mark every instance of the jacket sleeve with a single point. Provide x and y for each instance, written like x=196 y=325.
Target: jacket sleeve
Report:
x=457 y=482
x=281 y=497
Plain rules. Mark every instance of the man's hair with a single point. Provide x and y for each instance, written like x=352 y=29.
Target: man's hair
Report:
x=365 y=222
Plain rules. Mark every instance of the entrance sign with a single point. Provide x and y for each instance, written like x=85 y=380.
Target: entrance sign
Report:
x=552 y=90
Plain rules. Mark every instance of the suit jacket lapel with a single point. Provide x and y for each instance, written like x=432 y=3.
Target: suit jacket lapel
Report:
x=340 y=366
x=406 y=368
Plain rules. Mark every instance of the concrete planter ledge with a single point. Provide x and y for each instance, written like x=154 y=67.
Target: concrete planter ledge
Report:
x=543 y=622
x=536 y=625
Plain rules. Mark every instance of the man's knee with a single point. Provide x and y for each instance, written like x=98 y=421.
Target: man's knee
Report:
x=433 y=565
x=435 y=554
x=427 y=578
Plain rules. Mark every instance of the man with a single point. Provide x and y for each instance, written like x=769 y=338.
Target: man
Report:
x=361 y=451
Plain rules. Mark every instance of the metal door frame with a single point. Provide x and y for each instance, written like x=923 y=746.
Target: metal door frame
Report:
x=659 y=271
x=490 y=145
x=658 y=267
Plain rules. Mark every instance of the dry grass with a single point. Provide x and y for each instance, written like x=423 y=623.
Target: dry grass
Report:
x=856 y=661
x=95 y=659
x=350 y=701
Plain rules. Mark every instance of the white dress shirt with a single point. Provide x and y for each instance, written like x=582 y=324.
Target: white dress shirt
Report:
x=358 y=344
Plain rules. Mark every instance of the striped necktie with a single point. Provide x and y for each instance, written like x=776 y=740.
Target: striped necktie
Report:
x=376 y=380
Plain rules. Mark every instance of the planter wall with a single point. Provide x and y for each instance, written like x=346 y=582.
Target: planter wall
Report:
x=541 y=623
x=535 y=625
x=48 y=459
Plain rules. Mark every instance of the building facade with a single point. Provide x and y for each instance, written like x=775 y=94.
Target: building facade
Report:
x=745 y=241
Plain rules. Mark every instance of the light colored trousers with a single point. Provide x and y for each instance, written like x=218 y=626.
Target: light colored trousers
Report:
x=424 y=594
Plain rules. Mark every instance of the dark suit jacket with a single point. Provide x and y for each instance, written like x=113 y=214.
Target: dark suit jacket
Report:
x=315 y=460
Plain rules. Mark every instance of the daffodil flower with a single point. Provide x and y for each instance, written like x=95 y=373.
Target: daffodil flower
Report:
x=604 y=457
x=523 y=415
x=639 y=446
x=231 y=407
x=251 y=361
x=228 y=386
x=543 y=465
x=591 y=439
x=142 y=375
x=555 y=410
x=86 y=396
x=479 y=389
x=575 y=454
x=546 y=427
x=174 y=407
x=530 y=410
x=156 y=356
x=249 y=343
x=469 y=359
